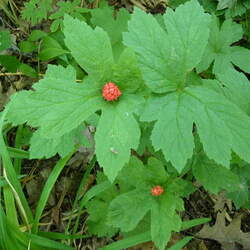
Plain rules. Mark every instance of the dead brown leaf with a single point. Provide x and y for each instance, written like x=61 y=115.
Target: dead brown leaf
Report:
x=227 y=236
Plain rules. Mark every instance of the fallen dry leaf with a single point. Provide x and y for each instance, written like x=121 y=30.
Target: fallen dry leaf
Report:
x=227 y=236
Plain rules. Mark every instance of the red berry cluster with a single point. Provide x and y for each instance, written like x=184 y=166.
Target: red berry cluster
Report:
x=110 y=92
x=157 y=190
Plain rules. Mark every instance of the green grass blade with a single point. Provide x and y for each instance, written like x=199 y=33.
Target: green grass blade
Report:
x=79 y=190
x=47 y=189
x=192 y=223
x=61 y=236
x=4 y=183
x=89 y=195
x=18 y=145
x=47 y=243
x=179 y=245
x=18 y=153
x=129 y=242
x=10 y=207
x=12 y=179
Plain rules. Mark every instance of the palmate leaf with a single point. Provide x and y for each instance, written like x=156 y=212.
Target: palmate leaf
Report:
x=136 y=204
x=219 y=122
x=57 y=105
x=117 y=132
x=220 y=51
x=166 y=57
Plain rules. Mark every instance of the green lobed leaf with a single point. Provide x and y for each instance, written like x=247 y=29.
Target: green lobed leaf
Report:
x=214 y=177
x=164 y=62
x=132 y=174
x=41 y=147
x=220 y=51
x=219 y=122
x=91 y=48
x=164 y=220
x=104 y=17
x=57 y=105
x=36 y=10
x=172 y=132
x=128 y=209
x=188 y=31
x=126 y=72
x=240 y=57
x=143 y=37
x=117 y=133
x=241 y=196
x=155 y=172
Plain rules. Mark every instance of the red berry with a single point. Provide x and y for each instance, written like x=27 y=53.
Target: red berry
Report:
x=110 y=92
x=157 y=190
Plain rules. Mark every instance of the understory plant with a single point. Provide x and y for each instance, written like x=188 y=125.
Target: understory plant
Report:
x=169 y=106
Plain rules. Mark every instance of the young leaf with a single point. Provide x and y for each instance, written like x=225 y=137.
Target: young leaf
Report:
x=155 y=171
x=128 y=209
x=214 y=177
x=90 y=48
x=164 y=62
x=164 y=220
x=57 y=105
x=218 y=122
x=126 y=71
x=116 y=134
x=220 y=51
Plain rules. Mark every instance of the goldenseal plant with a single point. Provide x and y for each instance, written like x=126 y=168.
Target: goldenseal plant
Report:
x=155 y=97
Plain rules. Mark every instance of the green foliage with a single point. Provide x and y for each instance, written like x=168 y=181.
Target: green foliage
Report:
x=184 y=110
x=72 y=8
x=5 y=40
x=220 y=51
x=42 y=147
x=182 y=45
x=103 y=17
x=36 y=10
x=220 y=178
x=129 y=207
x=241 y=196
x=172 y=132
x=98 y=210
